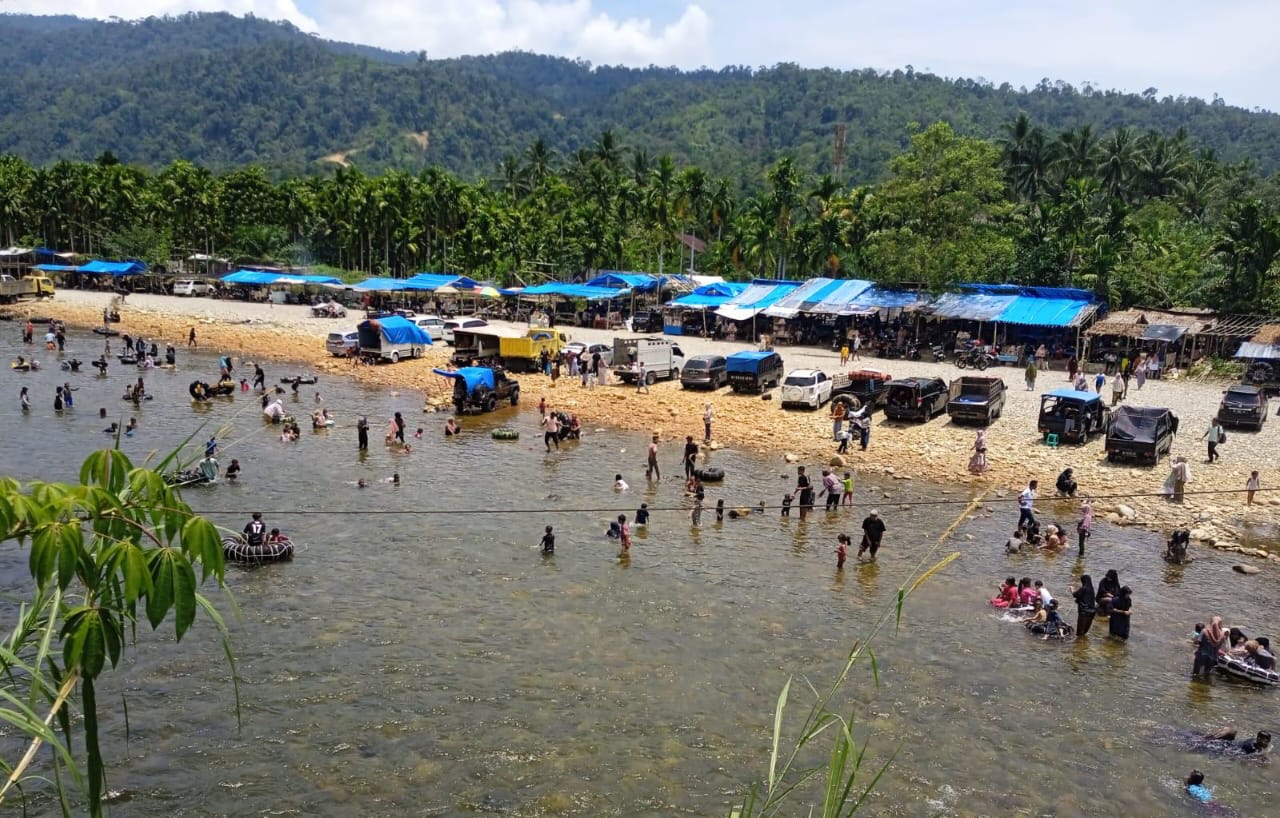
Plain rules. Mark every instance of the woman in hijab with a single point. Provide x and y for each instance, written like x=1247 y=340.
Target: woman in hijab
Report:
x=1086 y=605
x=1108 y=590
x=1084 y=528
x=978 y=463
x=1121 y=610
x=1213 y=640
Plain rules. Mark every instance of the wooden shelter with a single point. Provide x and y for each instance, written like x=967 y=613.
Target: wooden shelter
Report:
x=1177 y=332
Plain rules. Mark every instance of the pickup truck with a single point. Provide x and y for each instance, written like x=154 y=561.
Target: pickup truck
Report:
x=391 y=338
x=479 y=388
x=662 y=359
x=1140 y=432
x=975 y=399
x=521 y=353
x=868 y=386
x=18 y=289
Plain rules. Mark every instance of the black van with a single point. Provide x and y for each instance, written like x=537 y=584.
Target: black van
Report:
x=916 y=399
x=704 y=372
x=754 y=371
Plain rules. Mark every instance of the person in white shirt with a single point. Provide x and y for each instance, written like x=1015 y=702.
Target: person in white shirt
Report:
x=619 y=484
x=1026 y=505
x=706 y=421
x=1045 y=596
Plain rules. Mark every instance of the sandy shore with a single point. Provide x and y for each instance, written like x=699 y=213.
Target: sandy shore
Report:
x=935 y=451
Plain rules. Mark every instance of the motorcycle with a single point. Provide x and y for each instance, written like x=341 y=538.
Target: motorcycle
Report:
x=939 y=353
x=975 y=358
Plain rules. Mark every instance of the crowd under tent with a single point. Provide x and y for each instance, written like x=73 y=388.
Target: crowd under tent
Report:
x=761 y=294
x=1120 y=332
x=1018 y=314
x=689 y=314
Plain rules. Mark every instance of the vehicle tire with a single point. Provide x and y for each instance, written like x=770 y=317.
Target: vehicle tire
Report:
x=490 y=403
x=735 y=389
x=650 y=379
x=981 y=364
x=675 y=373
x=709 y=474
x=1111 y=457
x=515 y=396
x=960 y=363
x=395 y=357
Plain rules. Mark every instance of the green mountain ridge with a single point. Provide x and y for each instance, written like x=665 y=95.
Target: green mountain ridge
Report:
x=224 y=91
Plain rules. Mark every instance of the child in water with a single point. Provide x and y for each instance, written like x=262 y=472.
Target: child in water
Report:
x=842 y=550
x=619 y=484
x=624 y=533
x=719 y=511
x=642 y=515
x=233 y=471
x=786 y=505
x=548 y=542
x=846 y=498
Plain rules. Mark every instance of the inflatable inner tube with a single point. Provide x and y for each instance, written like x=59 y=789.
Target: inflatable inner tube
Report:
x=189 y=477
x=1232 y=666
x=128 y=360
x=505 y=433
x=236 y=549
x=222 y=389
x=20 y=367
x=199 y=390
x=709 y=474
x=105 y=331
x=304 y=381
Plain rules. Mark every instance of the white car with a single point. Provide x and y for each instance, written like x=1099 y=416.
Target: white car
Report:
x=432 y=325
x=460 y=323
x=338 y=343
x=806 y=387
x=189 y=286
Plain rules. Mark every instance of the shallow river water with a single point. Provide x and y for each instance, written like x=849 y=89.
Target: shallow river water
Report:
x=436 y=664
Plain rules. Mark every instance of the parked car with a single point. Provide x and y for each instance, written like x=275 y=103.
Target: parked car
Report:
x=976 y=399
x=869 y=387
x=1243 y=406
x=646 y=321
x=1072 y=415
x=754 y=371
x=190 y=286
x=340 y=343
x=432 y=325
x=704 y=372
x=460 y=323
x=584 y=352
x=806 y=387
x=661 y=357
x=1141 y=432
x=916 y=399
x=479 y=388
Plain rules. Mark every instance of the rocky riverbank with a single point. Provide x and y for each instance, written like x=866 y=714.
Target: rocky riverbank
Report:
x=937 y=451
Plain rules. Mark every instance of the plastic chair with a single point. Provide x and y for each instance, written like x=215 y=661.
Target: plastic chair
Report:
x=1051 y=440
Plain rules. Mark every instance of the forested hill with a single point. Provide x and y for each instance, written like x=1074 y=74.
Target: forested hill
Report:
x=224 y=91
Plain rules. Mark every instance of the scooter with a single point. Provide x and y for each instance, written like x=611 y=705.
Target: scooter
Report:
x=976 y=358
x=939 y=353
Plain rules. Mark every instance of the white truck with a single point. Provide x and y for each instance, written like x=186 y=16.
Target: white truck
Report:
x=661 y=358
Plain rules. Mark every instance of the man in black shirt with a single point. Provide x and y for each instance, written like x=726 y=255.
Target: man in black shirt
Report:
x=254 y=531
x=872 y=532
x=690 y=456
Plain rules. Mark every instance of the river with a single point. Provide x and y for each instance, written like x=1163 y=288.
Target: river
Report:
x=436 y=664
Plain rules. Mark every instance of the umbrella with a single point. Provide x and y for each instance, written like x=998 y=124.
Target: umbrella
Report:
x=489 y=292
x=447 y=289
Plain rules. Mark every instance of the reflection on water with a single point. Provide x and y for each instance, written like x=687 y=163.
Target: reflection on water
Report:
x=438 y=665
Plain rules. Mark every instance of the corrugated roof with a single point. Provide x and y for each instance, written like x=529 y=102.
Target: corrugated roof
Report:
x=1249 y=349
x=1132 y=323
x=762 y=293
x=1046 y=312
x=808 y=293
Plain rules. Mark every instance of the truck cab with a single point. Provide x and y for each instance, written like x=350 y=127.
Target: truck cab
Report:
x=1140 y=432
x=1072 y=416
x=31 y=286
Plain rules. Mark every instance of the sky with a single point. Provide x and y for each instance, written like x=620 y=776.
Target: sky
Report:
x=1180 y=47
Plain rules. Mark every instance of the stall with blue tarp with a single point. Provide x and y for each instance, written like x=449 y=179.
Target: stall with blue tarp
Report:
x=970 y=306
x=640 y=282
x=804 y=297
x=55 y=268
x=382 y=285
x=760 y=295
x=116 y=269
x=567 y=290
x=1036 y=311
x=688 y=313
x=876 y=298
x=262 y=278
x=434 y=281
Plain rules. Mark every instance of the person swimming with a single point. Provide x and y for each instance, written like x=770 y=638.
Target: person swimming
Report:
x=1223 y=741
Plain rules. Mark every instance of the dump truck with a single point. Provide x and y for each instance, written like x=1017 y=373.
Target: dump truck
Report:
x=521 y=354
x=21 y=289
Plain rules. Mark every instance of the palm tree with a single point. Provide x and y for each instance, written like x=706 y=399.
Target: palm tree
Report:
x=1119 y=162
x=538 y=159
x=784 y=197
x=661 y=198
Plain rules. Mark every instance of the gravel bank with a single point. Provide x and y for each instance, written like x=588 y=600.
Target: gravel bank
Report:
x=937 y=451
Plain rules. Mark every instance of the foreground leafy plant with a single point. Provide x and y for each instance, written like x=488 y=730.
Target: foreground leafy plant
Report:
x=843 y=793
x=119 y=542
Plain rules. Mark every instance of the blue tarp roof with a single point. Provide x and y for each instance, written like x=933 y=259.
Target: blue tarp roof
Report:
x=381 y=285
x=805 y=297
x=710 y=295
x=640 y=282
x=567 y=290
x=1046 y=312
x=1072 y=293
x=762 y=293
x=434 y=281
x=262 y=277
x=113 y=268
x=55 y=268
x=971 y=306
x=884 y=298
x=397 y=330
x=473 y=376
x=745 y=361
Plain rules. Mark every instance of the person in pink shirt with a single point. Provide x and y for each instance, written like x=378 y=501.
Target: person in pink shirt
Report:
x=1027 y=595
x=1084 y=528
x=1008 y=596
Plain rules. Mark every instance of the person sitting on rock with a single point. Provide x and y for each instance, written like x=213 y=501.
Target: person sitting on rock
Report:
x=1066 y=483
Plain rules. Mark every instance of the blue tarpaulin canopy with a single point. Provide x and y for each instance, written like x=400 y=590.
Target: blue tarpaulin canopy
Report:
x=395 y=329
x=762 y=293
x=473 y=376
x=640 y=282
x=262 y=277
x=803 y=298
x=566 y=290
x=709 y=296
x=434 y=281
x=55 y=268
x=1046 y=312
x=381 y=285
x=885 y=298
x=112 y=268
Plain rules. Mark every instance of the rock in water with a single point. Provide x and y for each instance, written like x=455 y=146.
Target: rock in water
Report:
x=791 y=457
x=1126 y=512
x=1246 y=569
x=836 y=462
